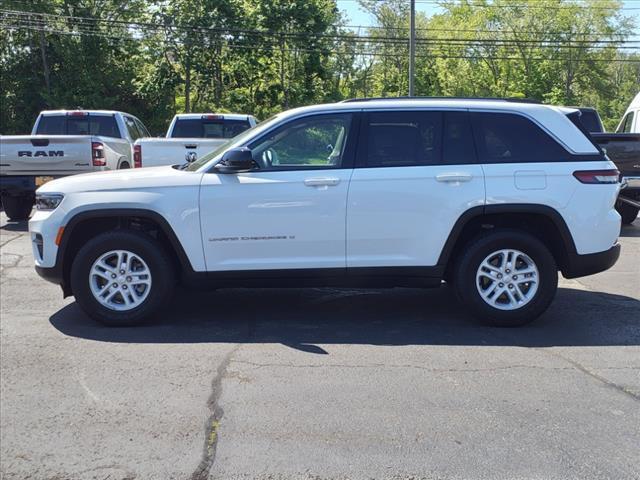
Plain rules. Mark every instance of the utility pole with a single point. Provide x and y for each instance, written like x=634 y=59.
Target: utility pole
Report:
x=412 y=46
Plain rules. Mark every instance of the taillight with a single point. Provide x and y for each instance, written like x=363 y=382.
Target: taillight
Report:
x=97 y=154
x=137 y=156
x=597 y=176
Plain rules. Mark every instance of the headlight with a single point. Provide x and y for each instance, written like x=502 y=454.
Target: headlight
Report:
x=48 y=201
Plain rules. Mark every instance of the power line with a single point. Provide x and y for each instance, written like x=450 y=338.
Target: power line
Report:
x=32 y=16
x=480 y=30
x=87 y=22
x=328 y=51
x=565 y=6
x=397 y=43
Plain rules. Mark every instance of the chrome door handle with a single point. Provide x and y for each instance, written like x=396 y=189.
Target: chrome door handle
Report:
x=322 y=182
x=454 y=177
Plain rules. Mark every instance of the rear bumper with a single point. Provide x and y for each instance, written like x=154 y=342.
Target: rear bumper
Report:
x=630 y=182
x=583 y=265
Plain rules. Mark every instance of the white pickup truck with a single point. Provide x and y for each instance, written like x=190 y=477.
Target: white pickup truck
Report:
x=190 y=136
x=63 y=142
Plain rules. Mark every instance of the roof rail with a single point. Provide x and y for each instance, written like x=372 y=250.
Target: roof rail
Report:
x=504 y=99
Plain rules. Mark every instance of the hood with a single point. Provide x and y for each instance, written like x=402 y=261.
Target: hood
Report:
x=129 y=179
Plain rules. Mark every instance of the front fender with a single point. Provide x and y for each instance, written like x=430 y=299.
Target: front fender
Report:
x=177 y=214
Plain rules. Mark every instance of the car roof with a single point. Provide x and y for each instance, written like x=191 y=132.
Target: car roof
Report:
x=99 y=112
x=427 y=103
x=227 y=116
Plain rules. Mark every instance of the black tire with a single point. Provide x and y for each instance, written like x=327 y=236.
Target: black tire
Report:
x=18 y=207
x=474 y=254
x=124 y=166
x=148 y=249
x=628 y=212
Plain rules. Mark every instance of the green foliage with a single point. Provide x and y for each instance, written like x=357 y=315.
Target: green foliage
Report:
x=158 y=58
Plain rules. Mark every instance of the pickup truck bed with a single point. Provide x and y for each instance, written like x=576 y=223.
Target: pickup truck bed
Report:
x=63 y=142
x=190 y=136
x=624 y=150
x=154 y=152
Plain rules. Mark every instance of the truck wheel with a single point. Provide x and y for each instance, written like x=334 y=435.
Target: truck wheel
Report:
x=124 y=165
x=506 y=278
x=18 y=207
x=122 y=278
x=628 y=212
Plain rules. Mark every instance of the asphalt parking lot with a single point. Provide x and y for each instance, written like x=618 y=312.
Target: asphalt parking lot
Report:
x=320 y=384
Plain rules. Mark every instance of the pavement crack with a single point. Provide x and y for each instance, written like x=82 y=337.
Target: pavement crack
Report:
x=213 y=422
x=15 y=262
x=404 y=366
x=10 y=240
x=212 y=425
x=578 y=366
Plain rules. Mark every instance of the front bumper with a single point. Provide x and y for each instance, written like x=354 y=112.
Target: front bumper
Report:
x=51 y=274
x=583 y=265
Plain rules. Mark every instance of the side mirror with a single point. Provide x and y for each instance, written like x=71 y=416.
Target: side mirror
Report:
x=236 y=160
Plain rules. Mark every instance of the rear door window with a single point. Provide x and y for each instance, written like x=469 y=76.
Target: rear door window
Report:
x=457 y=139
x=409 y=138
x=511 y=138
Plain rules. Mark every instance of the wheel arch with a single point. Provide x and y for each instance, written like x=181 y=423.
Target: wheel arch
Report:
x=541 y=221
x=122 y=160
x=85 y=224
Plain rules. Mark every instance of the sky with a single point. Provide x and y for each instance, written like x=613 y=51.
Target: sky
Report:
x=356 y=16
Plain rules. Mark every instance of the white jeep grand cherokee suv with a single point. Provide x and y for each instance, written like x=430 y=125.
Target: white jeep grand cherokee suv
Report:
x=492 y=196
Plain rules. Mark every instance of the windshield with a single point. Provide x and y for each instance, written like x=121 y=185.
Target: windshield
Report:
x=237 y=140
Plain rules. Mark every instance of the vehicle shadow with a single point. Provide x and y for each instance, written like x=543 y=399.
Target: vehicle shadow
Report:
x=15 y=226
x=304 y=319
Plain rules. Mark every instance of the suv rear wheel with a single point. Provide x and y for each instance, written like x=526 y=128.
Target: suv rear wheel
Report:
x=122 y=278
x=506 y=278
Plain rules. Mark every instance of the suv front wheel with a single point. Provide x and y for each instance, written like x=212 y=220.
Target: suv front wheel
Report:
x=122 y=278
x=506 y=278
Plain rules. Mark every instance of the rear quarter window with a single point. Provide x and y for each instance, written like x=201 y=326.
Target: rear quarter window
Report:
x=511 y=138
x=590 y=121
